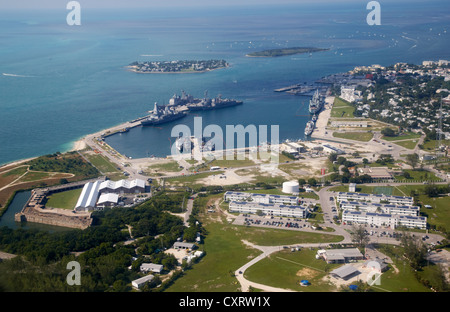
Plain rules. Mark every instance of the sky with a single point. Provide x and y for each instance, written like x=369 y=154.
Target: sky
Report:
x=55 y=4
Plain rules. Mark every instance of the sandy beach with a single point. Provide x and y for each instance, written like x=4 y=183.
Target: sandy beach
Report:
x=79 y=145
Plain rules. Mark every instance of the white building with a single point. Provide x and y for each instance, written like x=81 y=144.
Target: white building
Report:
x=375 y=198
x=349 y=94
x=142 y=281
x=340 y=255
x=261 y=198
x=269 y=209
x=88 y=197
x=107 y=200
x=388 y=220
x=122 y=186
x=151 y=267
x=352 y=187
x=380 y=208
x=327 y=148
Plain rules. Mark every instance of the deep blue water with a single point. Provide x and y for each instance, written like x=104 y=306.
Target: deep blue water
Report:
x=64 y=82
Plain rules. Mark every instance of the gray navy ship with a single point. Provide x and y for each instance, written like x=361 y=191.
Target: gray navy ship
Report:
x=193 y=104
x=162 y=114
x=316 y=103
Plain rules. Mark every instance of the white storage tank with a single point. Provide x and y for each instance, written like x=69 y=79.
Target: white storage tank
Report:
x=291 y=187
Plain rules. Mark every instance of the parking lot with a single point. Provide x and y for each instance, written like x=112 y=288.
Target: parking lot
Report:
x=273 y=222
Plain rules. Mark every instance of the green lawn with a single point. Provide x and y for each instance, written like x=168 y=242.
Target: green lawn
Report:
x=342 y=109
x=405 y=136
x=418 y=175
x=358 y=136
x=409 y=144
x=64 y=200
x=225 y=253
x=101 y=163
x=404 y=280
x=439 y=215
x=172 y=166
x=285 y=269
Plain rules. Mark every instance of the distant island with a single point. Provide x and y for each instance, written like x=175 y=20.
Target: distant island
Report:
x=285 y=51
x=158 y=67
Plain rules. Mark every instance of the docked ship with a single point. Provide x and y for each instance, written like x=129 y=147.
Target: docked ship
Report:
x=161 y=115
x=217 y=102
x=195 y=104
x=309 y=127
x=316 y=103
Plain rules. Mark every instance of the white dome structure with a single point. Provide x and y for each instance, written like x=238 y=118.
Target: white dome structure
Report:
x=290 y=187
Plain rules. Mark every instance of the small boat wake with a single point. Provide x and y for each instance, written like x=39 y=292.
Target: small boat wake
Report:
x=14 y=75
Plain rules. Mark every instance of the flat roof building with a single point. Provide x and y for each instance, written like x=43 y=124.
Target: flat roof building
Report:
x=376 y=198
x=261 y=198
x=151 y=267
x=269 y=209
x=345 y=272
x=380 y=208
x=138 y=283
x=381 y=219
x=340 y=255
x=107 y=200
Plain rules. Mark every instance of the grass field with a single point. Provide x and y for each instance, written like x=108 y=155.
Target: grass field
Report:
x=439 y=215
x=418 y=175
x=405 y=136
x=342 y=109
x=166 y=167
x=64 y=200
x=285 y=269
x=101 y=163
x=409 y=144
x=358 y=136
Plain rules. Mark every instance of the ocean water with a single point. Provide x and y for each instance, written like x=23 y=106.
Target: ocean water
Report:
x=59 y=82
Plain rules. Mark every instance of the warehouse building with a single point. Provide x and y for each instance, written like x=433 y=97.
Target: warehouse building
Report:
x=88 y=197
x=151 y=267
x=122 y=186
x=343 y=255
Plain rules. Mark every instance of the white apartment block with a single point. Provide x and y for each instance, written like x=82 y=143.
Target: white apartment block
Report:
x=375 y=198
x=261 y=198
x=380 y=208
x=268 y=209
x=379 y=219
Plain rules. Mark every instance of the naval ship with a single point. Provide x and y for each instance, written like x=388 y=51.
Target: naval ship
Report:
x=193 y=104
x=309 y=127
x=161 y=115
x=316 y=103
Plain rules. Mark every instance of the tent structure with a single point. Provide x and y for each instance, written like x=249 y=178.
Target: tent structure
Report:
x=305 y=283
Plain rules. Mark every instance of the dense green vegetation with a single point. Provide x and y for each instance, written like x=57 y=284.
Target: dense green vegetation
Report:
x=104 y=259
x=68 y=162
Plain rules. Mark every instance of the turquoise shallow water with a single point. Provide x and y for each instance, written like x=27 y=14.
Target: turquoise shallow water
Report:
x=64 y=82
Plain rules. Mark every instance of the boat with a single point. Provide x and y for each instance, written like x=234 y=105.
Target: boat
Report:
x=161 y=115
x=314 y=118
x=309 y=128
x=207 y=104
x=316 y=103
